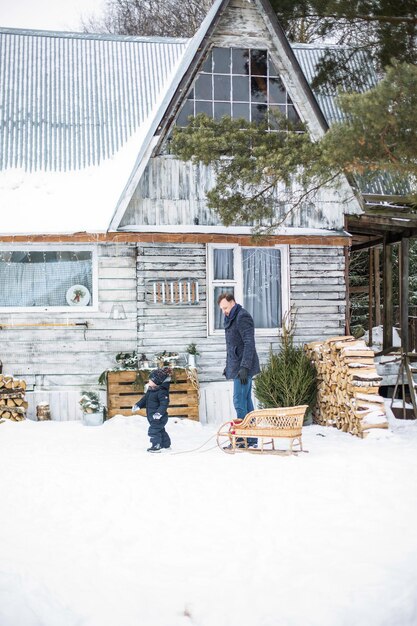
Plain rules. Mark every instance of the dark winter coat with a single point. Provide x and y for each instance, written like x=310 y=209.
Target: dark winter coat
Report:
x=155 y=400
x=240 y=343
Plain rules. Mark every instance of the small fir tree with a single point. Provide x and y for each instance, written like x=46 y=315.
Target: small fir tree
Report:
x=289 y=377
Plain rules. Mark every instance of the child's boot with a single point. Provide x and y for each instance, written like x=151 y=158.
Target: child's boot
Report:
x=156 y=447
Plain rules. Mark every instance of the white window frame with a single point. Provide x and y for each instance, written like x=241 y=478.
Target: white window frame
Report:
x=57 y=248
x=237 y=283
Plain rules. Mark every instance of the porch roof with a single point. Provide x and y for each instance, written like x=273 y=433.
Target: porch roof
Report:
x=369 y=230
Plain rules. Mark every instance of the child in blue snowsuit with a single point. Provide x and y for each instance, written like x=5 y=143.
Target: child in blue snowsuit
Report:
x=156 y=401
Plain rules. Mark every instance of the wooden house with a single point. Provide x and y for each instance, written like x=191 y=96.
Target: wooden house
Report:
x=96 y=212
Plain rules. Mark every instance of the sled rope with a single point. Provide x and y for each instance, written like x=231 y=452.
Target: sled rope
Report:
x=199 y=447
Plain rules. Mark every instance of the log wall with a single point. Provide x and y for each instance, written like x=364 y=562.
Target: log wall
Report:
x=61 y=359
x=57 y=362
x=317 y=293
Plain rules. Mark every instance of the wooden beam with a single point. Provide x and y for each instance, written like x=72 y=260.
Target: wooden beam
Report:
x=406 y=220
x=404 y=282
x=347 y=314
x=371 y=293
x=131 y=237
x=380 y=198
x=388 y=303
x=377 y=288
x=366 y=244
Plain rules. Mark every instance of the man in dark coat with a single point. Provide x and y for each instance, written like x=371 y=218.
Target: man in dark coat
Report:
x=242 y=362
x=156 y=401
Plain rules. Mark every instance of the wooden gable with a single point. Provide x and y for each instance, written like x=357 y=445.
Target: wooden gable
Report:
x=172 y=194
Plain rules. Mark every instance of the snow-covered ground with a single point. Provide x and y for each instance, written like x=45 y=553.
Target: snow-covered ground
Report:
x=95 y=531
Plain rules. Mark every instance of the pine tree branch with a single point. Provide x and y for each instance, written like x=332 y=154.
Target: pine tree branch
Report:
x=389 y=19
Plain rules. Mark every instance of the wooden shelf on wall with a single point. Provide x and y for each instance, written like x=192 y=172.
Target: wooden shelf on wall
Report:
x=123 y=391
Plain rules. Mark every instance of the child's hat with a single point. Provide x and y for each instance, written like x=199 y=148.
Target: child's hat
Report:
x=158 y=376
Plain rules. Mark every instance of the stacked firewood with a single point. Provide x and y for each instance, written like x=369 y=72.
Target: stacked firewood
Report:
x=12 y=398
x=348 y=385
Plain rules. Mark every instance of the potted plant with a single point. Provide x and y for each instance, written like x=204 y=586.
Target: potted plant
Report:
x=160 y=358
x=192 y=351
x=172 y=358
x=92 y=408
x=127 y=360
x=144 y=361
x=165 y=358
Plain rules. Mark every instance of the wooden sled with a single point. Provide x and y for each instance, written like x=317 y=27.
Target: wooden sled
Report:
x=266 y=425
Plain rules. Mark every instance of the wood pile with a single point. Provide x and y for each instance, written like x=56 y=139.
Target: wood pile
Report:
x=348 y=385
x=12 y=398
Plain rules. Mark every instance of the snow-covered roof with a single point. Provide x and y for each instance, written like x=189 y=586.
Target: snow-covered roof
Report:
x=79 y=115
x=76 y=110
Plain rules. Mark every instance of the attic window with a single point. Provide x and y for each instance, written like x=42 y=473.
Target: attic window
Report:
x=241 y=83
x=48 y=279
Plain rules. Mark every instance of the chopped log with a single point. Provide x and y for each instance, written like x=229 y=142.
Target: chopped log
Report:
x=12 y=398
x=347 y=385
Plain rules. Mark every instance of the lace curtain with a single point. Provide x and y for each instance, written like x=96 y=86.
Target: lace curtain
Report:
x=261 y=284
x=42 y=284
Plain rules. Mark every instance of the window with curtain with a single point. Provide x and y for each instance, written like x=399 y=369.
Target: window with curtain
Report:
x=254 y=276
x=46 y=278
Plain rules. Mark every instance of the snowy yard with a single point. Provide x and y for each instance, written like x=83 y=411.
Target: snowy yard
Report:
x=98 y=532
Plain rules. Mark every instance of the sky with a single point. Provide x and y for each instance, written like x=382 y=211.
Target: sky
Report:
x=64 y=15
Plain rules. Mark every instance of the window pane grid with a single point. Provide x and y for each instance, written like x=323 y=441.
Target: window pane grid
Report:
x=256 y=279
x=232 y=77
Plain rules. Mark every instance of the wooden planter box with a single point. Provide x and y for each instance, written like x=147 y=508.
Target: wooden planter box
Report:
x=122 y=393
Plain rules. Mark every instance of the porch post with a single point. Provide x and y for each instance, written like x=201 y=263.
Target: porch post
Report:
x=387 y=288
x=347 y=283
x=377 y=288
x=371 y=294
x=404 y=278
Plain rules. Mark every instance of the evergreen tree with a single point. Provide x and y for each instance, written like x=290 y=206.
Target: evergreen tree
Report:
x=253 y=167
x=387 y=29
x=380 y=132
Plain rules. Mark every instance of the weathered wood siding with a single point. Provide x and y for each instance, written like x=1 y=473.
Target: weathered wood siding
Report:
x=173 y=192
x=318 y=291
x=62 y=360
x=57 y=362
x=317 y=294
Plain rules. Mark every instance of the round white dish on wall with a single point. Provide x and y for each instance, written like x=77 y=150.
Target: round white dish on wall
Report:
x=78 y=295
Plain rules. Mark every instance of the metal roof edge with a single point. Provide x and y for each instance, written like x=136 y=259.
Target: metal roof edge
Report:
x=104 y=36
